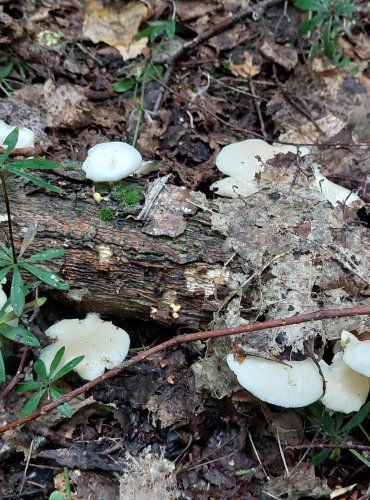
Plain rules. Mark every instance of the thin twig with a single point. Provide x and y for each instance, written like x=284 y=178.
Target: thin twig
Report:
x=331 y=446
x=193 y=337
x=16 y=377
x=257 y=106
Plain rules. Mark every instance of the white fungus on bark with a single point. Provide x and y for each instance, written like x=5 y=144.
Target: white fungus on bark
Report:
x=345 y=389
x=243 y=161
x=104 y=345
x=26 y=138
x=292 y=384
x=111 y=161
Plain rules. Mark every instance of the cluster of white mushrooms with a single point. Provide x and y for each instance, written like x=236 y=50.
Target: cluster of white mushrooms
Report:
x=341 y=386
x=244 y=161
x=290 y=384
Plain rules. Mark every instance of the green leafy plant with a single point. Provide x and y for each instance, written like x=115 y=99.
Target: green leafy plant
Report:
x=336 y=431
x=13 y=264
x=146 y=71
x=7 y=66
x=46 y=383
x=327 y=21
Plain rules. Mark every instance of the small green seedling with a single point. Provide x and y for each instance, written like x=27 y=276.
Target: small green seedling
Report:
x=327 y=21
x=335 y=431
x=45 y=383
x=147 y=71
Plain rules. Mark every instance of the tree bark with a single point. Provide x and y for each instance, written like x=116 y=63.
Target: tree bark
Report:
x=113 y=267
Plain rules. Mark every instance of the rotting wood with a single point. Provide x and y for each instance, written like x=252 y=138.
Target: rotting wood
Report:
x=113 y=267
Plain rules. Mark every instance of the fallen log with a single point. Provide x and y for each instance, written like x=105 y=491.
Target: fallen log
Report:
x=114 y=267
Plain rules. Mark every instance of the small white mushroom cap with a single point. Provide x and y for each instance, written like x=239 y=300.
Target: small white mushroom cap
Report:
x=104 y=345
x=230 y=187
x=111 y=161
x=356 y=353
x=26 y=138
x=239 y=159
x=346 y=390
x=291 y=385
x=333 y=192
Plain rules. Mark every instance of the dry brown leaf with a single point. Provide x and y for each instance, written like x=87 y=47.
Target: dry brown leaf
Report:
x=280 y=54
x=247 y=68
x=116 y=24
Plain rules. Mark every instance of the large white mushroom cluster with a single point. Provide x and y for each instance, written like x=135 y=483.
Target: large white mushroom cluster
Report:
x=341 y=386
x=244 y=161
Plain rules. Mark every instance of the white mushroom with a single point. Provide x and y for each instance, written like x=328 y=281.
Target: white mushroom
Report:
x=333 y=192
x=26 y=138
x=243 y=160
x=346 y=390
x=356 y=353
x=291 y=385
x=230 y=187
x=111 y=161
x=103 y=345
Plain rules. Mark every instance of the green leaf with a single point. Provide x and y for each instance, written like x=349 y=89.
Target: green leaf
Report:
x=2 y=368
x=47 y=277
x=360 y=457
x=34 y=164
x=6 y=258
x=320 y=457
x=64 y=409
x=314 y=5
x=4 y=272
x=57 y=359
x=30 y=385
x=6 y=250
x=17 y=298
x=40 y=370
x=68 y=367
x=56 y=495
x=6 y=70
x=124 y=85
x=153 y=71
x=10 y=142
x=308 y=25
x=357 y=419
x=33 y=179
x=51 y=253
x=328 y=423
x=32 y=404
x=19 y=334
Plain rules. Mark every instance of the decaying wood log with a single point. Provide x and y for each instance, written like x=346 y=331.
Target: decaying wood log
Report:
x=115 y=268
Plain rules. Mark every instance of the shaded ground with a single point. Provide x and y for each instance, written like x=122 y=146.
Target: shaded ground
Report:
x=72 y=73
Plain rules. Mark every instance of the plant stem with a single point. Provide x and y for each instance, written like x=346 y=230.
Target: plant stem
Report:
x=7 y=204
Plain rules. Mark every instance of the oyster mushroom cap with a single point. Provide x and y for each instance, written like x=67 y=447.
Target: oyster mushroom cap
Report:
x=111 y=161
x=104 y=345
x=346 y=390
x=356 y=353
x=291 y=385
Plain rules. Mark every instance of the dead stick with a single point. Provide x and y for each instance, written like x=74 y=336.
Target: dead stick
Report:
x=330 y=446
x=16 y=377
x=192 y=337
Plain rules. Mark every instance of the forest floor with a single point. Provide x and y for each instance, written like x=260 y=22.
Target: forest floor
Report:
x=179 y=80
